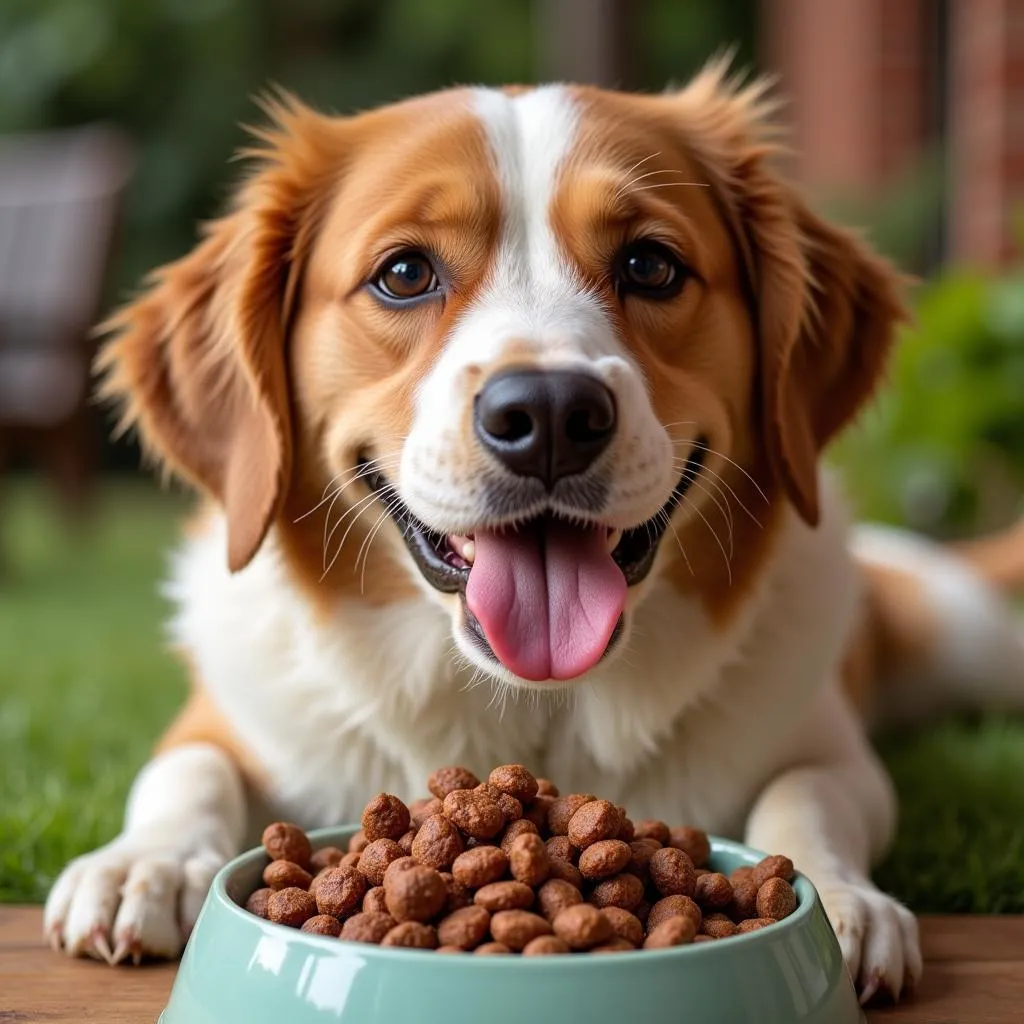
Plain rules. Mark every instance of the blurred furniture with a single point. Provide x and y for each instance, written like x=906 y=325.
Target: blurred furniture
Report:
x=60 y=194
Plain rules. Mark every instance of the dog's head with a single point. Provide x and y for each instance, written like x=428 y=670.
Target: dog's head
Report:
x=523 y=334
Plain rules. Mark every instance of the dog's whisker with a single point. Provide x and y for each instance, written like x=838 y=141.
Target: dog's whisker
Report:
x=727 y=515
x=672 y=184
x=355 y=511
x=714 y=533
x=369 y=538
x=722 y=455
x=349 y=479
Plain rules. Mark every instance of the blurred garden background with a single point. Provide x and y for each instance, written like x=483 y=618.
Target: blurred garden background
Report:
x=117 y=122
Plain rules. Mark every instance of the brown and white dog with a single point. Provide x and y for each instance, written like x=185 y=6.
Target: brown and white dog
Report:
x=509 y=406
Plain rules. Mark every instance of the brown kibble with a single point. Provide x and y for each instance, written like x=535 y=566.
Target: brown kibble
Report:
x=374 y=901
x=449 y=949
x=625 y=925
x=415 y=894
x=516 y=928
x=316 y=880
x=491 y=949
x=614 y=945
x=741 y=874
x=480 y=866
x=744 y=900
x=624 y=891
x=369 y=926
x=642 y=911
x=538 y=809
x=555 y=895
x=510 y=807
x=698 y=872
x=465 y=928
x=652 y=829
x=641 y=851
x=675 y=931
x=772 y=867
x=412 y=935
x=504 y=896
x=257 y=902
x=563 y=809
x=284 y=841
x=693 y=842
x=437 y=843
x=474 y=812
x=718 y=926
x=420 y=810
x=374 y=860
x=350 y=860
x=754 y=924
x=283 y=874
x=323 y=924
x=292 y=907
x=447 y=780
x=604 y=858
x=675 y=906
x=776 y=899
x=385 y=817
x=528 y=861
x=713 y=890
x=325 y=857
x=459 y=895
x=559 y=848
x=514 y=779
x=627 y=830
x=702 y=938
x=358 y=842
x=340 y=891
x=396 y=866
x=545 y=787
x=672 y=872
x=594 y=821
x=405 y=843
x=582 y=926
x=515 y=829
x=545 y=945
x=566 y=872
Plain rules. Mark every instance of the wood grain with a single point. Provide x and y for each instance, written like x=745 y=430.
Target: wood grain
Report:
x=974 y=975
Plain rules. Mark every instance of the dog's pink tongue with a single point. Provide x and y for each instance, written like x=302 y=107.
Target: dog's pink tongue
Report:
x=547 y=599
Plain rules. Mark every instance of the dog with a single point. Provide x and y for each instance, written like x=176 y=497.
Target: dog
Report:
x=508 y=409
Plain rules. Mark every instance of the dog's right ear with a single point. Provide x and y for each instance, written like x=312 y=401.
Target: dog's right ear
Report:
x=199 y=360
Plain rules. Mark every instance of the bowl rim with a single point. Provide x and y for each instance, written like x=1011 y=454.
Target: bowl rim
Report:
x=807 y=899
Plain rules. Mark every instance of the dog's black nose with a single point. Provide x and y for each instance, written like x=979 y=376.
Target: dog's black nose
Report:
x=547 y=424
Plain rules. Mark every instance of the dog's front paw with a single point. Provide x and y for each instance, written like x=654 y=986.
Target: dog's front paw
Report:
x=136 y=897
x=877 y=935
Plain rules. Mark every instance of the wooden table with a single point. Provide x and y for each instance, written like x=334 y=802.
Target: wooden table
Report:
x=974 y=975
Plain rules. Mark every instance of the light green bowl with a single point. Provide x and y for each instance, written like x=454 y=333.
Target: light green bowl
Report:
x=238 y=967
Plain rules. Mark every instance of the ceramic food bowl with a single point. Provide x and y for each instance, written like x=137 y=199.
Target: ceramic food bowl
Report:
x=240 y=968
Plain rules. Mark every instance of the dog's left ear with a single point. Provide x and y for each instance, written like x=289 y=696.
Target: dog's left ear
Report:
x=826 y=307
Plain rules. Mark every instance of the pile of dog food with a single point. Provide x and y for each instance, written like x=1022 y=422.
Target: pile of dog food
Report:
x=510 y=866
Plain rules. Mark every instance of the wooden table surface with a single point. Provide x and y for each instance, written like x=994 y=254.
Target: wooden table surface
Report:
x=974 y=975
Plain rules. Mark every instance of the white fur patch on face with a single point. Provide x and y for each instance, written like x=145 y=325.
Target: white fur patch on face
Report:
x=535 y=304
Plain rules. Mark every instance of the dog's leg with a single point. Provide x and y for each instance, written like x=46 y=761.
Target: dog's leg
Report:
x=140 y=894
x=833 y=813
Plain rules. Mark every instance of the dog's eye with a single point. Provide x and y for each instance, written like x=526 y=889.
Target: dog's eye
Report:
x=651 y=270
x=407 y=276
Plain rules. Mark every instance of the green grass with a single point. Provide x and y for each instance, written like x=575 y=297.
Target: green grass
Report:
x=86 y=686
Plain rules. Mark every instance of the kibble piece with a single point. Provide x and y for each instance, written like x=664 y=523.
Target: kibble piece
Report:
x=459 y=895
x=369 y=926
x=614 y=945
x=754 y=924
x=510 y=807
x=504 y=896
x=718 y=926
x=374 y=860
x=516 y=928
x=772 y=867
x=447 y=780
x=566 y=872
x=293 y=907
x=323 y=924
x=326 y=857
x=465 y=928
x=492 y=949
x=604 y=858
x=627 y=830
x=437 y=843
x=474 y=812
x=374 y=901
x=283 y=874
x=515 y=829
x=651 y=829
x=624 y=891
x=516 y=780
x=702 y=938
x=672 y=872
x=358 y=842
x=642 y=911
x=582 y=926
x=625 y=925
x=538 y=809
x=563 y=809
x=693 y=843
x=744 y=900
x=640 y=853
x=340 y=892
x=420 y=810
x=594 y=821
x=545 y=787
x=675 y=906
x=741 y=874
x=675 y=931
x=713 y=890
x=397 y=866
x=559 y=848
x=385 y=817
x=555 y=895
x=545 y=945
x=406 y=841
x=480 y=866
x=449 y=949
x=412 y=935
x=350 y=860
x=528 y=860
x=776 y=899
x=257 y=902
x=284 y=841
x=416 y=894
x=316 y=880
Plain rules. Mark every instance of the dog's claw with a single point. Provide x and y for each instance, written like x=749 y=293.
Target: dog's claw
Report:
x=55 y=936
x=102 y=946
x=870 y=989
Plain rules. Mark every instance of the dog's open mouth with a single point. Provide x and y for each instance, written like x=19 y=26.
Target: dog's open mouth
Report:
x=546 y=597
